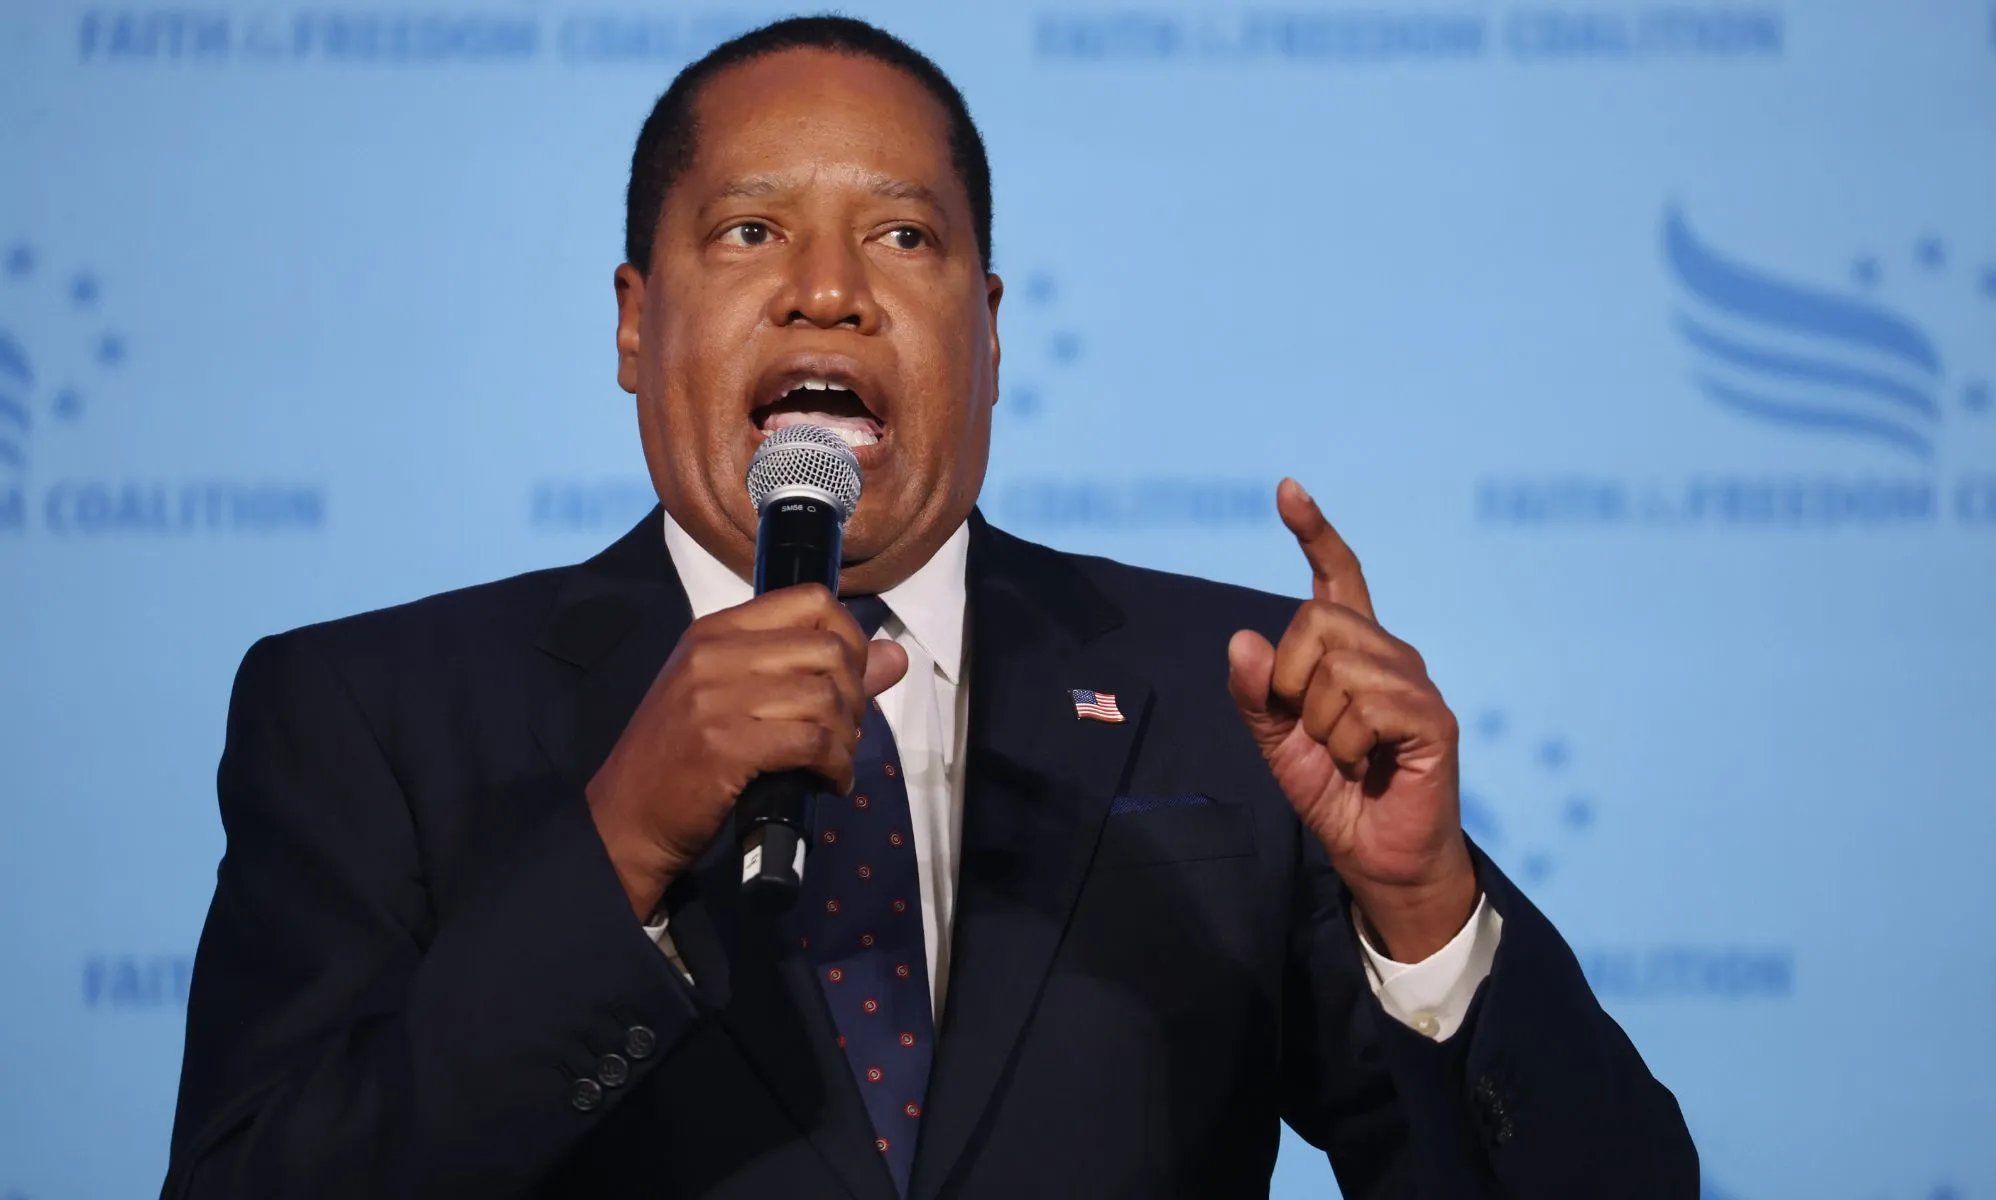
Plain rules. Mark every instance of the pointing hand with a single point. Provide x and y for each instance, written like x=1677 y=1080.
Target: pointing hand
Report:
x=1363 y=745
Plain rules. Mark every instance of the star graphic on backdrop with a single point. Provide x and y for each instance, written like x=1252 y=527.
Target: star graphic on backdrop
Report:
x=1578 y=812
x=1989 y=282
x=111 y=350
x=1490 y=723
x=83 y=291
x=68 y=404
x=20 y=260
x=1552 y=754
x=1931 y=253
x=1041 y=289
x=1975 y=396
x=1864 y=272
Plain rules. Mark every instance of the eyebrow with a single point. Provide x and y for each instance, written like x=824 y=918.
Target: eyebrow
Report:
x=887 y=187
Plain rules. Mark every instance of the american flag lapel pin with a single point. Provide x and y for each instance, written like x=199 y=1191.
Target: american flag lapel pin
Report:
x=1095 y=706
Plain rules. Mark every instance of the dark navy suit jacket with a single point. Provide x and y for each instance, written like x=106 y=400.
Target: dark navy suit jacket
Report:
x=419 y=968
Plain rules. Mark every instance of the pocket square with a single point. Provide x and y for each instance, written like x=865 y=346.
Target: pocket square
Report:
x=1124 y=805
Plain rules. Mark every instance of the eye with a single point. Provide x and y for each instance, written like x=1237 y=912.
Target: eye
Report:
x=907 y=237
x=748 y=233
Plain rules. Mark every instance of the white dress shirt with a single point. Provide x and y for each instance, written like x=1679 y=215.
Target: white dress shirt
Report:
x=928 y=711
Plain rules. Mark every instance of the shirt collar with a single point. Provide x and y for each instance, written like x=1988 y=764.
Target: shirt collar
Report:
x=929 y=603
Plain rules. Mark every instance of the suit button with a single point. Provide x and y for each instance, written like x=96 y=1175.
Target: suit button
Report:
x=613 y=1070
x=639 y=1042
x=586 y=1095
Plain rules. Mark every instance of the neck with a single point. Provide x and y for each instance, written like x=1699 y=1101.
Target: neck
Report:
x=889 y=567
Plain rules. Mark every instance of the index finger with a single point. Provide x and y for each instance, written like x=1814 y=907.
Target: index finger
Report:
x=804 y=606
x=1337 y=577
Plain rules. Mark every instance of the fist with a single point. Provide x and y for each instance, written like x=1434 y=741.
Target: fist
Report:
x=1361 y=742
x=777 y=683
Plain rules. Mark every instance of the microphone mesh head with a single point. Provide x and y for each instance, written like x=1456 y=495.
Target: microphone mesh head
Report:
x=805 y=456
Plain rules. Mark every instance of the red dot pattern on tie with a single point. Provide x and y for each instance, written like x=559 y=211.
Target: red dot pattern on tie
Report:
x=862 y=913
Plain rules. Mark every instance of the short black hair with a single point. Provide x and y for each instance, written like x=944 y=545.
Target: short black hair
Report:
x=666 y=143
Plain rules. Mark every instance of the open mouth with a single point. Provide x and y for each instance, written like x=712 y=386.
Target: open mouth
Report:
x=828 y=403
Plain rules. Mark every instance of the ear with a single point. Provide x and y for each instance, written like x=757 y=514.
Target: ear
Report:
x=994 y=291
x=630 y=320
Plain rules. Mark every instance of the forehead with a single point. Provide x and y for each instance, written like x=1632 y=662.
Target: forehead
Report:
x=818 y=111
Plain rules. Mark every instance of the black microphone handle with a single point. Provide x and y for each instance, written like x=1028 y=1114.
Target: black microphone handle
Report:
x=773 y=815
x=799 y=539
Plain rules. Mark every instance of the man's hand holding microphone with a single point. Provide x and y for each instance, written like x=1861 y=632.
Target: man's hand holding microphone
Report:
x=777 y=683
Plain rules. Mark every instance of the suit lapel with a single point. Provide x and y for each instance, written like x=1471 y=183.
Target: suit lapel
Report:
x=613 y=623
x=1038 y=784
x=612 y=626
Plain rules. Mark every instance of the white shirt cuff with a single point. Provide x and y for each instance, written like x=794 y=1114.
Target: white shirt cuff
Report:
x=1431 y=997
x=660 y=935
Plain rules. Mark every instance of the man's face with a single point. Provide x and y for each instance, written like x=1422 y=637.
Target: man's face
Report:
x=817 y=262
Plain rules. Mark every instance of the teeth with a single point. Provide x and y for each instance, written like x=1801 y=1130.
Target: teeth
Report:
x=852 y=430
x=821 y=385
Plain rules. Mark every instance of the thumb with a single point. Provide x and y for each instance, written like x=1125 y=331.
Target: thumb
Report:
x=886 y=663
x=1250 y=671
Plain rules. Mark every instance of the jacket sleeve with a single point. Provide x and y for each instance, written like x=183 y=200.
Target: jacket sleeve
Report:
x=340 y=1041
x=1539 y=1093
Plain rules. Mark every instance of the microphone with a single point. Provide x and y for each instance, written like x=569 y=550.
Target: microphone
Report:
x=804 y=482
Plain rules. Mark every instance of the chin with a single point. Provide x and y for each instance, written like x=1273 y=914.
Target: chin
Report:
x=866 y=538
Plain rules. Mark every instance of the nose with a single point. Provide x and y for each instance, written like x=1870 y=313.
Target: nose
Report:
x=827 y=287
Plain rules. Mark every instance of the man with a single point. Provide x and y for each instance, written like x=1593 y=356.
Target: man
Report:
x=1116 y=869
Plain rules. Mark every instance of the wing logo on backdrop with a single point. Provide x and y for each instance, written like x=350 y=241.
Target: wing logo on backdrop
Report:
x=16 y=378
x=63 y=368
x=20 y=397
x=1798 y=356
x=1891 y=373
x=1523 y=804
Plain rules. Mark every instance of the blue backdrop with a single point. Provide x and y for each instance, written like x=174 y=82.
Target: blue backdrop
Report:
x=1645 y=353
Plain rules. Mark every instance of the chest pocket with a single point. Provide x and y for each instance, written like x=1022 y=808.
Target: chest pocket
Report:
x=1137 y=835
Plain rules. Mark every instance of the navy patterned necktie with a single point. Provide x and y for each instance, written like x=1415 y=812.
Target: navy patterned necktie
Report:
x=859 y=921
